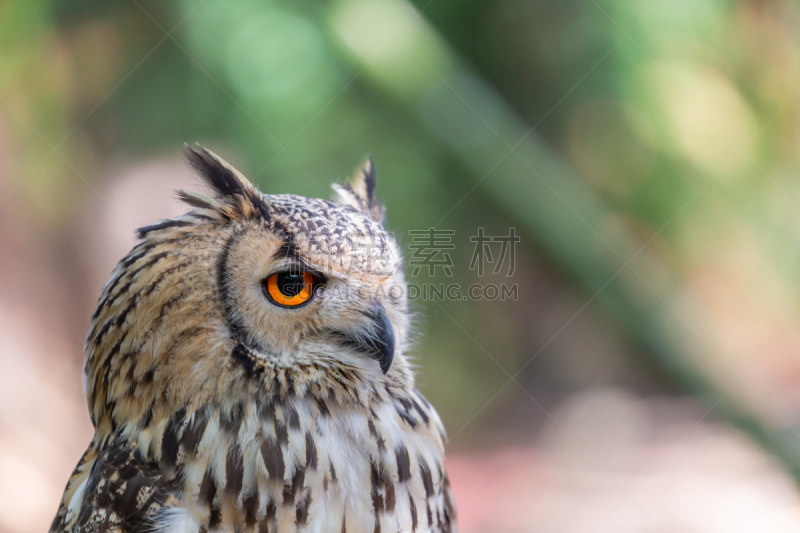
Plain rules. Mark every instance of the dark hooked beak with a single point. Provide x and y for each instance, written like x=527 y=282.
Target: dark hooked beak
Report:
x=378 y=342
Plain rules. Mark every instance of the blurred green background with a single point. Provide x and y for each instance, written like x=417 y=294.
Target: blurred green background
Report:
x=646 y=152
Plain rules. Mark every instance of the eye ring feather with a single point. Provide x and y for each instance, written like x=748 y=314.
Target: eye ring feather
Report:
x=289 y=288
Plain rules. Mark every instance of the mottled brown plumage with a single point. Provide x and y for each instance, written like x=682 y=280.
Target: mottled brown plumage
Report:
x=217 y=410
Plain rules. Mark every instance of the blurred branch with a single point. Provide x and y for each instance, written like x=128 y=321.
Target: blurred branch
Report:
x=539 y=192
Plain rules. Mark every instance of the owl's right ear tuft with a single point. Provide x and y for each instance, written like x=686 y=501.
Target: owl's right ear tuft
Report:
x=234 y=194
x=359 y=193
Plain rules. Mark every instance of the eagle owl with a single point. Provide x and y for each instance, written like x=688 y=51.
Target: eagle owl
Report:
x=246 y=371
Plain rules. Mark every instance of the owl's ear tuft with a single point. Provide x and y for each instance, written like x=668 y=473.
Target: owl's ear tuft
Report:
x=359 y=192
x=234 y=194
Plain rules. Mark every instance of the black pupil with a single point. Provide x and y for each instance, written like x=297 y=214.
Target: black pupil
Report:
x=290 y=284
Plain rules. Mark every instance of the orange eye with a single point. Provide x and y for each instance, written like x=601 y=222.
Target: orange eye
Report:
x=290 y=289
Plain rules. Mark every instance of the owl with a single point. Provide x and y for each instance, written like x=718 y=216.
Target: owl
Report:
x=246 y=371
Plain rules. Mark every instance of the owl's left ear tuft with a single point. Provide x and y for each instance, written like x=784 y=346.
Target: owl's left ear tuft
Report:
x=235 y=194
x=359 y=193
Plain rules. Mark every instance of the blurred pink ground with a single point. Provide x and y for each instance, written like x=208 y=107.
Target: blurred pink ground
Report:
x=702 y=478
x=503 y=489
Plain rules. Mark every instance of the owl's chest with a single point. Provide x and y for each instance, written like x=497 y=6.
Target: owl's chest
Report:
x=347 y=470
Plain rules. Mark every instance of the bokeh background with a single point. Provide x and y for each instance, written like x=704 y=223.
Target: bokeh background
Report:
x=647 y=153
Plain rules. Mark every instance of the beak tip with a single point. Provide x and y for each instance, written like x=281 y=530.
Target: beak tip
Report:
x=386 y=359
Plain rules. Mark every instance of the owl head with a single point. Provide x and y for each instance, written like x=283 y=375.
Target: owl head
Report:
x=250 y=296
